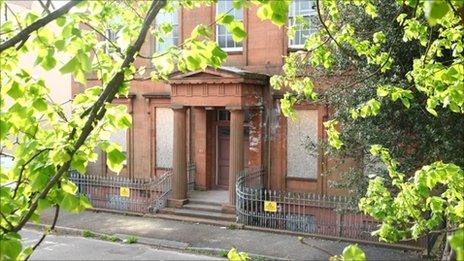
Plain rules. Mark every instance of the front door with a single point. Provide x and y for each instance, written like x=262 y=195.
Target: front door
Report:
x=223 y=156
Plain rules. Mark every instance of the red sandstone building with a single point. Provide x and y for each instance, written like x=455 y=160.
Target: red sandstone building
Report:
x=225 y=120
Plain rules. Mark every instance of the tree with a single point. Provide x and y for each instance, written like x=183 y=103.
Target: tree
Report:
x=408 y=204
x=45 y=142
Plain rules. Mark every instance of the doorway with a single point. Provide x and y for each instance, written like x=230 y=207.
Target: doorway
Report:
x=223 y=156
x=223 y=147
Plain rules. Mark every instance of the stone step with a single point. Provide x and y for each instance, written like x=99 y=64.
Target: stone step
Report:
x=204 y=202
x=203 y=207
x=198 y=214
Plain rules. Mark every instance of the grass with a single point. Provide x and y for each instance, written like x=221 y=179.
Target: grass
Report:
x=87 y=233
x=223 y=253
x=232 y=227
x=111 y=238
x=131 y=240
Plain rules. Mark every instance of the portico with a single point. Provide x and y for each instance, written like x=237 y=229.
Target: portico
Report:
x=219 y=111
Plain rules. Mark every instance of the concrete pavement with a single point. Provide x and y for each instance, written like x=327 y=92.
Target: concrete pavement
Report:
x=201 y=236
x=79 y=248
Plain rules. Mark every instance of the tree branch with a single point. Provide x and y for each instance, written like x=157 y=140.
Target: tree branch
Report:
x=6 y=220
x=98 y=110
x=24 y=34
x=23 y=167
x=45 y=7
x=318 y=8
x=55 y=219
x=14 y=15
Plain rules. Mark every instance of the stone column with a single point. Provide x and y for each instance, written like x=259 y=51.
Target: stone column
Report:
x=179 y=161
x=235 y=153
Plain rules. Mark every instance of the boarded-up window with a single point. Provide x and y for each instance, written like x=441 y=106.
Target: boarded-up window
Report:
x=301 y=137
x=164 y=137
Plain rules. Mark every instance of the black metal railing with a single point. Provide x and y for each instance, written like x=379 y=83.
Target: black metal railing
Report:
x=312 y=213
x=128 y=194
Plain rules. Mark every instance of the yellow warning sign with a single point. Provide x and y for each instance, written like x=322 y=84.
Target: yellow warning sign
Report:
x=124 y=192
x=270 y=206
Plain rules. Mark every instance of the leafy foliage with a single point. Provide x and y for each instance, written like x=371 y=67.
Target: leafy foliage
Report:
x=234 y=255
x=416 y=86
x=46 y=140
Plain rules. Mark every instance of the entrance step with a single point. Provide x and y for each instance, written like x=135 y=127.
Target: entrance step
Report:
x=204 y=202
x=203 y=207
x=198 y=214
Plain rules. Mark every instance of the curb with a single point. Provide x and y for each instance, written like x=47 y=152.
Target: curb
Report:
x=261 y=229
x=152 y=242
x=218 y=251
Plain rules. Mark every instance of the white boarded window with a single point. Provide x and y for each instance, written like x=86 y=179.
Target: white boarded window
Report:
x=301 y=161
x=120 y=137
x=164 y=137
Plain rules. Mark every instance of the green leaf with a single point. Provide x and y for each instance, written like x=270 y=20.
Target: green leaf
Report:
x=226 y=19
x=40 y=104
x=115 y=158
x=382 y=92
x=44 y=204
x=15 y=90
x=79 y=164
x=84 y=60
x=353 y=253
x=435 y=9
x=279 y=12
x=238 y=32
x=84 y=202
x=71 y=66
x=39 y=181
x=69 y=187
x=457 y=243
x=406 y=102
x=4 y=127
x=70 y=203
x=60 y=21
x=10 y=244
x=60 y=44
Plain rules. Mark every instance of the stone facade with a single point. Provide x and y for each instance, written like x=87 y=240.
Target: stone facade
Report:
x=222 y=119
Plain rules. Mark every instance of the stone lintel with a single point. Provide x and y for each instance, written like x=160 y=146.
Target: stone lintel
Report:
x=177 y=106
x=234 y=108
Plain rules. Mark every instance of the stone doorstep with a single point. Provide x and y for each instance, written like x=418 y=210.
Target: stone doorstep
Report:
x=153 y=242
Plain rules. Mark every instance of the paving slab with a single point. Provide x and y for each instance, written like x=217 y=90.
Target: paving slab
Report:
x=202 y=236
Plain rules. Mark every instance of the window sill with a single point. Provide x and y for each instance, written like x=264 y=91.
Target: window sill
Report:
x=302 y=179
x=233 y=50
x=295 y=48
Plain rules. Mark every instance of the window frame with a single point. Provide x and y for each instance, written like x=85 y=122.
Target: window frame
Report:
x=293 y=12
x=178 y=24
x=228 y=49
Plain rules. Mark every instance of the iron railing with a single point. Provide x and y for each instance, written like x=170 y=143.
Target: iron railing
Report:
x=316 y=214
x=128 y=194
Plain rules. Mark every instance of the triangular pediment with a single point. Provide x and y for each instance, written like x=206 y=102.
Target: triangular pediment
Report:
x=208 y=73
